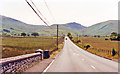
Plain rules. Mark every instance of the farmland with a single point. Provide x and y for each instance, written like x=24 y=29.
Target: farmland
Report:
x=14 y=46
x=99 y=46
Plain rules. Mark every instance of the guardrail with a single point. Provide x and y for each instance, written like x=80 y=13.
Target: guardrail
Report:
x=19 y=63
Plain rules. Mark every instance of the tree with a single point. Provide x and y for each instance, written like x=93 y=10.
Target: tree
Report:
x=98 y=36
x=28 y=34
x=87 y=46
x=118 y=38
x=95 y=35
x=113 y=36
x=14 y=34
x=23 y=34
x=78 y=41
x=70 y=36
x=85 y=35
x=106 y=39
x=35 y=34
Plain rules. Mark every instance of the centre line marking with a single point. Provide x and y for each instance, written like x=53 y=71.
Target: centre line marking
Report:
x=83 y=59
x=92 y=66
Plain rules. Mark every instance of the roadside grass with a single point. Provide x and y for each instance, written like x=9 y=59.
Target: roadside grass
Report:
x=14 y=46
x=98 y=46
x=60 y=47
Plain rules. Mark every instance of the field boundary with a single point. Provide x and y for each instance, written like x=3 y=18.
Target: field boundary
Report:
x=111 y=54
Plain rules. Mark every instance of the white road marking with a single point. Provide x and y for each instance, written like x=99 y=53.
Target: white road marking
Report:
x=92 y=66
x=83 y=59
x=74 y=53
x=48 y=67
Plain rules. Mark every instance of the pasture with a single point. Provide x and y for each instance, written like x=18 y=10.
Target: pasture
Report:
x=99 y=46
x=14 y=46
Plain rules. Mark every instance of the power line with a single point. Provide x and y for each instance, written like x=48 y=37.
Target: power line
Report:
x=49 y=10
x=53 y=19
x=36 y=12
x=41 y=17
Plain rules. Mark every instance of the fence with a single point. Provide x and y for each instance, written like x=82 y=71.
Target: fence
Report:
x=104 y=51
x=109 y=52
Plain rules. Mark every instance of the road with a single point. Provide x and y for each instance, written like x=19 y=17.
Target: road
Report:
x=74 y=59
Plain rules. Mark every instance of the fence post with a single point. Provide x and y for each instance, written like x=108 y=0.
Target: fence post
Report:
x=108 y=51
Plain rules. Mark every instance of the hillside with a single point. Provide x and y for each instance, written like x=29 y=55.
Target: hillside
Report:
x=13 y=26
x=74 y=26
x=65 y=28
x=103 y=28
x=16 y=26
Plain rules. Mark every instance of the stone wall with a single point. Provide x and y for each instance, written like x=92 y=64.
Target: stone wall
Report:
x=20 y=64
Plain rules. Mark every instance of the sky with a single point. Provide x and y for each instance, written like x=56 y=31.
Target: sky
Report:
x=85 y=12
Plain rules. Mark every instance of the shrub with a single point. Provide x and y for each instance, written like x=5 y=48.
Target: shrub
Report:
x=3 y=49
x=78 y=41
x=70 y=36
x=113 y=52
x=87 y=46
x=23 y=34
x=35 y=34
x=72 y=39
x=106 y=39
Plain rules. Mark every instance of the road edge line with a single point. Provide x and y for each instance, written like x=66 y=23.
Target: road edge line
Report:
x=48 y=66
x=45 y=70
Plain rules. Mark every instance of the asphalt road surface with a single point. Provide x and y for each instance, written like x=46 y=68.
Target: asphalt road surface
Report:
x=74 y=59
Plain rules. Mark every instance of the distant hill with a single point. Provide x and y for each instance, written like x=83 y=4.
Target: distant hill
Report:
x=16 y=26
x=74 y=26
x=13 y=26
x=65 y=28
x=103 y=28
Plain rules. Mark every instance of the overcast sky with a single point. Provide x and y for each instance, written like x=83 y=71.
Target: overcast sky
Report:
x=85 y=12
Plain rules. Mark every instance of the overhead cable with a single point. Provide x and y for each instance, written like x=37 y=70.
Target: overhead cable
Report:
x=36 y=13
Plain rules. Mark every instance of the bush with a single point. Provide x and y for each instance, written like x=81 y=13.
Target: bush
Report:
x=87 y=46
x=113 y=52
x=78 y=41
x=106 y=39
x=70 y=36
x=35 y=34
x=23 y=34
x=72 y=39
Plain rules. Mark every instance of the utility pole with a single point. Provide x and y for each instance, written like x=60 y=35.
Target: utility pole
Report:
x=77 y=36
x=57 y=37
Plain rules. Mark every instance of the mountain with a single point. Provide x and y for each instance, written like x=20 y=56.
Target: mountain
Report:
x=103 y=28
x=17 y=26
x=65 y=28
x=74 y=26
x=13 y=26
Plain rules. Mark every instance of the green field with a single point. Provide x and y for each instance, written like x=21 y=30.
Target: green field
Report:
x=98 y=45
x=14 y=46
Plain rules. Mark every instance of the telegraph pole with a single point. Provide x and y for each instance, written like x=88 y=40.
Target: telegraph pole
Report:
x=57 y=37
x=77 y=36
